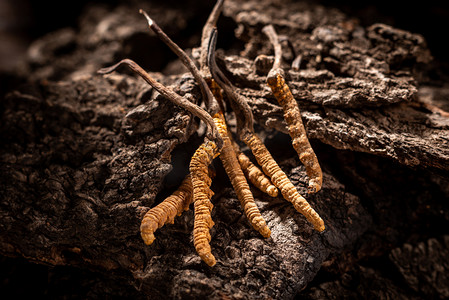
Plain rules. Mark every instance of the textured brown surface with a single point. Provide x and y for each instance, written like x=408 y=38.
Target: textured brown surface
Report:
x=84 y=156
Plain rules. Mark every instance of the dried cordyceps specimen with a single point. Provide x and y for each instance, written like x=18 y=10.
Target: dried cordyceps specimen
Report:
x=199 y=163
x=260 y=152
x=280 y=180
x=281 y=91
x=251 y=171
x=166 y=211
x=238 y=180
x=255 y=175
x=203 y=156
x=218 y=142
x=202 y=194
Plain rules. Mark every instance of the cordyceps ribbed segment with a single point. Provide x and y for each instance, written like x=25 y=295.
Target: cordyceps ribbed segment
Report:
x=256 y=176
x=238 y=180
x=296 y=130
x=202 y=194
x=281 y=181
x=167 y=210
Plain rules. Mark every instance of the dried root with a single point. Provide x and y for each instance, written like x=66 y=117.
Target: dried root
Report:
x=281 y=181
x=238 y=180
x=166 y=211
x=201 y=197
x=281 y=91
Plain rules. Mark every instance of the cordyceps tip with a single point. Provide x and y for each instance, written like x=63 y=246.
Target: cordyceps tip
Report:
x=320 y=226
x=148 y=238
x=266 y=232
x=272 y=191
x=208 y=258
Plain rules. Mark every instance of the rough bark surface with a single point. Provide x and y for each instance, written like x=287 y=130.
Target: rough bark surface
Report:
x=83 y=157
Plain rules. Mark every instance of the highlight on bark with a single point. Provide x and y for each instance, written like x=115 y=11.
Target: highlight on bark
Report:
x=202 y=194
x=282 y=93
x=167 y=210
x=238 y=180
x=281 y=181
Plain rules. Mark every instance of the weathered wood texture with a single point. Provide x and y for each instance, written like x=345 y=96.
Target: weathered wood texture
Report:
x=83 y=157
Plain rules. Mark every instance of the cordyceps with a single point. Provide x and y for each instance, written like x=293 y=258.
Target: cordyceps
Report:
x=255 y=175
x=282 y=93
x=218 y=141
x=280 y=180
x=260 y=152
x=238 y=180
x=166 y=211
x=202 y=194
x=204 y=155
x=251 y=171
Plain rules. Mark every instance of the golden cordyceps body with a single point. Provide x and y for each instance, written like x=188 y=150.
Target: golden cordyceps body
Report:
x=281 y=181
x=292 y=116
x=296 y=130
x=166 y=211
x=238 y=180
x=252 y=172
x=202 y=194
x=256 y=176
x=196 y=187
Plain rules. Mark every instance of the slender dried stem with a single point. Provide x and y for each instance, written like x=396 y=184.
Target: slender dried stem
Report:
x=271 y=33
x=237 y=101
x=211 y=23
x=211 y=105
x=172 y=96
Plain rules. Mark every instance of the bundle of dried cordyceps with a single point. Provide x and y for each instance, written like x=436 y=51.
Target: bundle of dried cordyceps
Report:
x=219 y=142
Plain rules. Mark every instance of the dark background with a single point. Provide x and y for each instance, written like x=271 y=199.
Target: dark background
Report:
x=23 y=20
